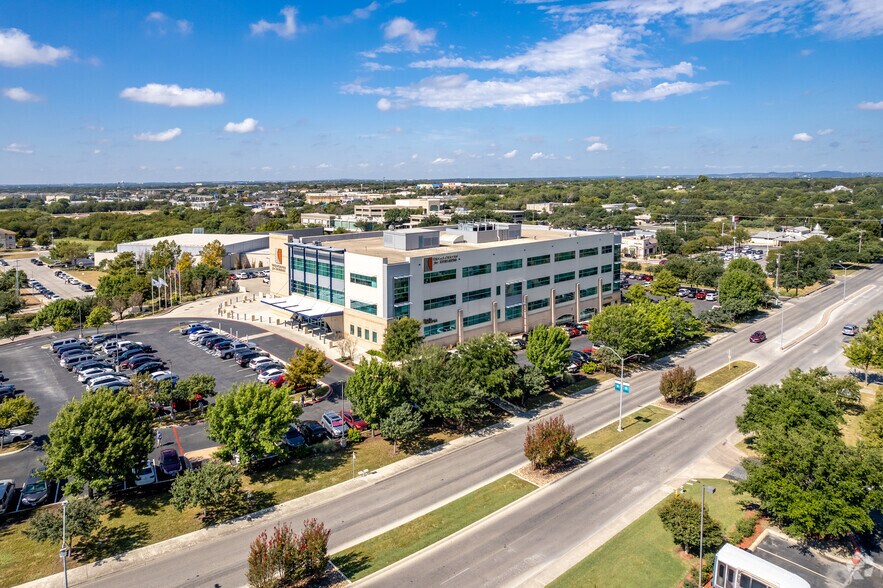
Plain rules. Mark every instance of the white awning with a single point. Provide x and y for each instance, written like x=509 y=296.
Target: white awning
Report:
x=305 y=306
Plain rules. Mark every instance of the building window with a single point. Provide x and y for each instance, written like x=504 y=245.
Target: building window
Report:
x=441 y=276
x=537 y=304
x=565 y=277
x=476 y=270
x=589 y=271
x=503 y=266
x=514 y=288
x=562 y=298
x=513 y=312
x=359 y=331
x=476 y=319
x=606 y=269
x=606 y=287
x=476 y=295
x=588 y=252
x=565 y=256
x=363 y=307
x=352 y=329
x=374 y=337
x=364 y=280
x=587 y=292
x=616 y=286
x=617 y=254
x=607 y=249
x=538 y=282
x=401 y=289
x=498 y=290
x=538 y=260
x=400 y=310
x=440 y=302
x=437 y=328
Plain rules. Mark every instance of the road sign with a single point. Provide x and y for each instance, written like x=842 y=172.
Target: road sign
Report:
x=626 y=388
x=619 y=386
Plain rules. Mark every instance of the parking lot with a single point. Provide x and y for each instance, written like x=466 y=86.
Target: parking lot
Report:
x=35 y=371
x=46 y=276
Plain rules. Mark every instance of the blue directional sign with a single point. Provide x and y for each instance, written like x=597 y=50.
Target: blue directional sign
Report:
x=620 y=386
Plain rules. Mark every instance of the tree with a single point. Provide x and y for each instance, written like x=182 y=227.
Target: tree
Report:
x=284 y=558
x=214 y=486
x=306 y=367
x=123 y=263
x=532 y=382
x=747 y=265
x=548 y=348
x=98 y=439
x=402 y=336
x=7 y=279
x=164 y=255
x=490 y=364
x=636 y=294
x=12 y=328
x=631 y=328
x=801 y=264
x=865 y=351
x=681 y=516
x=73 y=309
x=62 y=324
x=136 y=298
x=195 y=386
x=871 y=423
x=10 y=303
x=397 y=216
x=17 y=411
x=212 y=254
x=740 y=290
x=664 y=284
x=401 y=424
x=375 y=388
x=668 y=241
x=98 y=317
x=250 y=419
x=68 y=251
x=812 y=484
x=549 y=443
x=677 y=384
x=347 y=346
x=185 y=262
x=83 y=517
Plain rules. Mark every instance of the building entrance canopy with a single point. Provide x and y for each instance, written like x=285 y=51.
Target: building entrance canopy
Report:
x=306 y=307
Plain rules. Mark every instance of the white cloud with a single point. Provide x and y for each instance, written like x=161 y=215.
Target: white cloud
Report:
x=823 y=132
x=662 y=91
x=802 y=137
x=285 y=29
x=596 y=146
x=365 y=12
x=849 y=18
x=510 y=154
x=159 y=21
x=592 y=139
x=374 y=66
x=266 y=168
x=19 y=94
x=540 y=155
x=185 y=27
x=406 y=33
x=160 y=137
x=173 y=95
x=17 y=49
x=870 y=105
x=384 y=105
x=806 y=52
x=96 y=152
x=156 y=16
x=364 y=165
x=442 y=161
x=324 y=165
x=249 y=125
x=19 y=148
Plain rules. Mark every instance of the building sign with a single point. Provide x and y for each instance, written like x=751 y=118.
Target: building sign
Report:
x=278 y=265
x=441 y=259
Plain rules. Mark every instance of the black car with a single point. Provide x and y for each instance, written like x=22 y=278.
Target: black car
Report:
x=36 y=490
x=213 y=343
x=312 y=431
x=243 y=357
x=293 y=438
x=130 y=353
x=150 y=366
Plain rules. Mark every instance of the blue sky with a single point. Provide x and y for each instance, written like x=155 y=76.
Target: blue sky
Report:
x=186 y=91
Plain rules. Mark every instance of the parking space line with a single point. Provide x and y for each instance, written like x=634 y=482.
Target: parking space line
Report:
x=792 y=562
x=178 y=440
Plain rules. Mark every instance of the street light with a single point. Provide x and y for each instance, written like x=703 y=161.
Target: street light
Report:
x=843 y=267
x=63 y=551
x=702 y=490
x=622 y=361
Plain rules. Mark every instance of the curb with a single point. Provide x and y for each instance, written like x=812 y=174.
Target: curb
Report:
x=30 y=443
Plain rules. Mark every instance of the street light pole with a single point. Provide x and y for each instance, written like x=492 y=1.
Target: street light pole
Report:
x=63 y=552
x=702 y=489
x=622 y=361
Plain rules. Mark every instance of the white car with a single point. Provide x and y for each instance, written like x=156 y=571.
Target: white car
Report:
x=92 y=372
x=195 y=336
x=12 y=435
x=106 y=381
x=146 y=474
x=163 y=375
x=253 y=364
x=712 y=296
x=268 y=375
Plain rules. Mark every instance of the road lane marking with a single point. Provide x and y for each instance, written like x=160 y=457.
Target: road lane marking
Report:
x=454 y=576
x=792 y=562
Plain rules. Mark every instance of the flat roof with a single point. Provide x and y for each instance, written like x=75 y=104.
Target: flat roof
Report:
x=373 y=245
x=200 y=239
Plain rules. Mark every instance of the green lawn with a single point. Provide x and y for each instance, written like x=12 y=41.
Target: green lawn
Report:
x=643 y=554
x=381 y=551
x=596 y=443
x=90 y=244
x=720 y=378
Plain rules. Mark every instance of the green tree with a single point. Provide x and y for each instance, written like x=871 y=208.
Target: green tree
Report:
x=401 y=424
x=99 y=316
x=213 y=487
x=397 y=216
x=306 y=367
x=532 y=382
x=213 y=254
x=98 y=439
x=490 y=364
x=681 y=517
x=195 y=386
x=664 y=284
x=740 y=291
x=548 y=348
x=7 y=279
x=375 y=388
x=62 y=324
x=286 y=559
x=123 y=263
x=865 y=351
x=12 y=328
x=250 y=419
x=402 y=336
x=679 y=315
x=871 y=423
x=185 y=262
x=801 y=264
x=677 y=384
x=631 y=328
x=747 y=265
x=636 y=294
x=812 y=484
x=83 y=518
x=18 y=411
x=68 y=251
x=163 y=255
x=549 y=443
x=10 y=304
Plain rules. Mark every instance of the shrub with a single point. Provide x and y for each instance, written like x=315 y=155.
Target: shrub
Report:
x=549 y=443
x=681 y=517
x=589 y=367
x=353 y=435
x=744 y=528
x=284 y=557
x=677 y=384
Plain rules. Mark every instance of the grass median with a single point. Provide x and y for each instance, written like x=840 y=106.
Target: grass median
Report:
x=606 y=438
x=379 y=552
x=720 y=378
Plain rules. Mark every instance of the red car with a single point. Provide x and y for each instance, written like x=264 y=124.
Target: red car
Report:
x=700 y=295
x=353 y=420
x=277 y=381
x=757 y=337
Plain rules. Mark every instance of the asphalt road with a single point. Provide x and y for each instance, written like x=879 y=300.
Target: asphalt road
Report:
x=46 y=276
x=515 y=545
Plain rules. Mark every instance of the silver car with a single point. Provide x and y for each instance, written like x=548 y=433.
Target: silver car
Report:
x=333 y=423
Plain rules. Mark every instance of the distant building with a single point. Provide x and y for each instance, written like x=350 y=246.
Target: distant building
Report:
x=544 y=207
x=787 y=235
x=7 y=239
x=618 y=207
x=639 y=245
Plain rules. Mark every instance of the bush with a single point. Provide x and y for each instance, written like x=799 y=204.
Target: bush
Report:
x=681 y=517
x=677 y=384
x=353 y=435
x=744 y=528
x=632 y=266
x=549 y=443
x=284 y=558
x=589 y=367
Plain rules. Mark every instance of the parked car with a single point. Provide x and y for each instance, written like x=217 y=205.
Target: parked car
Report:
x=254 y=363
x=140 y=360
x=92 y=378
x=353 y=420
x=12 y=435
x=199 y=333
x=146 y=474
x=164 y=376
x=170 y=462
x=243 y=357
x=293 y=438
x=850 y=329
x=7 y=489
x=757 y=337
x=149 y=367
x=239 y=347
x=108 y=381
x=700 y=295
x=265 y=377
x=312 y=431
x=195 y=328
x=7 y=390
x=61 y=342
x=93 y=371
x=129 y=353
x=711 y=296
x=36 y=490
x=333 y=423
x=277 y=380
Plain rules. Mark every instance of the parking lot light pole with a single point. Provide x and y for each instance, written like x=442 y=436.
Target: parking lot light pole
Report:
x=63 y=552
x=702 y=490
x=622 y=361
x=844 y=268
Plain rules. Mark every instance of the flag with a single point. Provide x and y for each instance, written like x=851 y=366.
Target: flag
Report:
x=154 y=283
x=162 y=282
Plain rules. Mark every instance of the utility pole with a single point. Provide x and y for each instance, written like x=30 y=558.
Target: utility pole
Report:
x=797 y=254
x=17 y=292
x=778 y=259
x=860 y=235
